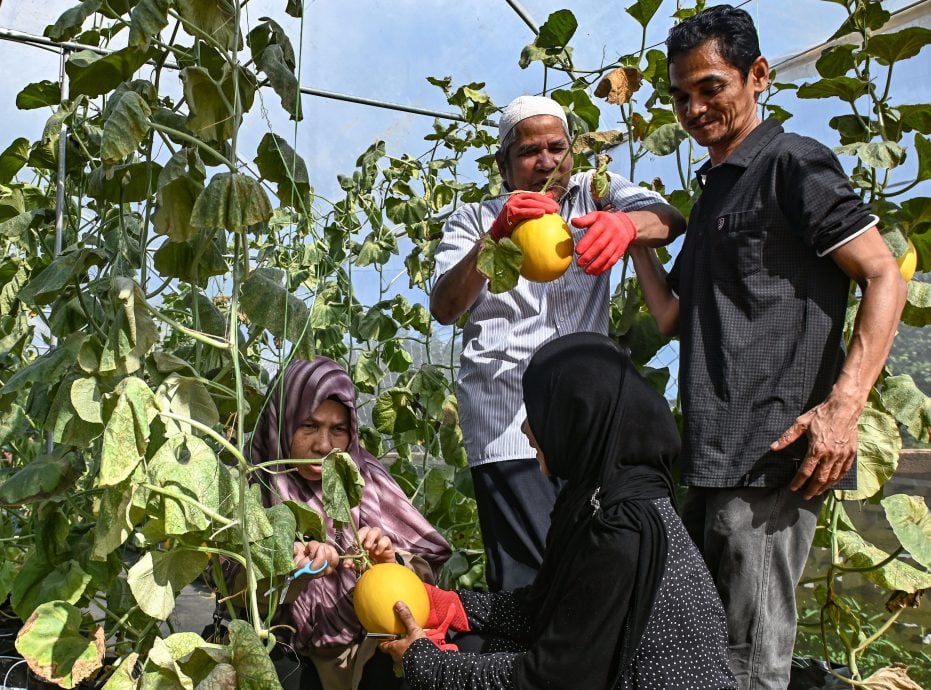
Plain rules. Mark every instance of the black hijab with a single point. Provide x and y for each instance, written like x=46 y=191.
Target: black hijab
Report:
x=603 y=429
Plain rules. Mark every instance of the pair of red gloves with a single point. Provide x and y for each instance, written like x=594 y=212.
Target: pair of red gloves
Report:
x=446 y=613
x=608 y=236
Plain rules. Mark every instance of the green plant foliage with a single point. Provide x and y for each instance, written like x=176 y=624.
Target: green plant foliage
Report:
x=125 y=128
x=44 y=477
x=55 y=648
x=911 y=522
x=91 y=74
x=342 y=486
x=157 y=577
x=231 y=201
x=254 y=670
x=878 y=455
x=500 y=262
x=279 y=163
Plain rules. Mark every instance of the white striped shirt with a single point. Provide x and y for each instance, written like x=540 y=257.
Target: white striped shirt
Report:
x=503 y=331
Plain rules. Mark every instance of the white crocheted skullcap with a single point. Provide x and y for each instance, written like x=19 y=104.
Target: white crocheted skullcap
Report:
x=523 y=107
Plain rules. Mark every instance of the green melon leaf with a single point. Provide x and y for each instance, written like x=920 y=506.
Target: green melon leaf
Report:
x=268 y=303
x=254 y=670
x=147 y=20
x=848 y=89
x=186 y=465
x=215 y=19
x=279 y=163
x=899 y=45
x=92 y=75
x=308 y=522
x=917 y=310
x=41 y=583
x=908 y=404
x=282 y=79
x=665 y=139
x=55 y=647
x=342 y=486
x=69 y=24
x=558 y=29
x=877 y=455
x=44 y=477
x=126 y=434
x=114 y=522
x=911 y=522
x=187 y=397
x=13 y=159
x=856 y=552
x=232 y=201
x=158 y=576
x=500 y=262
x=125 y=128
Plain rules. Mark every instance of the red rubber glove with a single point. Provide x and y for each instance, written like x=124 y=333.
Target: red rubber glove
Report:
x=605 y=241
x=522 y=206
x=446 y=612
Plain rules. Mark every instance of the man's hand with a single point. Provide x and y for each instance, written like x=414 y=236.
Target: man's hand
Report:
x=396 y=648
x=316 y=553
x=377 y=544
x=605 y=241
x=832 y=446
x=519 y=207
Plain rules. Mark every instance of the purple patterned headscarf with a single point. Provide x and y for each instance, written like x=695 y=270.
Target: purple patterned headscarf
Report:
x=323 y=614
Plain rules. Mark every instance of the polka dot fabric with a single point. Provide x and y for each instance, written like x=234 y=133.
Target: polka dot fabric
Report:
x=685 y=643
x=684 y=646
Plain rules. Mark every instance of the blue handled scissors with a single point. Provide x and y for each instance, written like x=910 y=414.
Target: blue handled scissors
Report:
x=306 y=569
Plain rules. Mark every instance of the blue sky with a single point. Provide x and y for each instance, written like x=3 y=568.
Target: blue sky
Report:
x=385 y=49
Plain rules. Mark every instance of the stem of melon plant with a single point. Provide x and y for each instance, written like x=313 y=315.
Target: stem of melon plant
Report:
x=240 y=266
x=234 y=450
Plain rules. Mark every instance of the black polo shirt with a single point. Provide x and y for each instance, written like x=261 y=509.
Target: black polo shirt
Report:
x=761 y=304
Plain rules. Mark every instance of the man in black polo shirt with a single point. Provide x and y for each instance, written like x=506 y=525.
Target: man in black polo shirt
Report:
x=758 y=296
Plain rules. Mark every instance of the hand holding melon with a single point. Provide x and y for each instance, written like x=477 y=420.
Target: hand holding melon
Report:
x=520 y=207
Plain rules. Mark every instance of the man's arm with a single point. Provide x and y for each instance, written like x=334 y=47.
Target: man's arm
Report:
x=657 y=224
x=456 y=290
x=832 y=425
x=662 y=303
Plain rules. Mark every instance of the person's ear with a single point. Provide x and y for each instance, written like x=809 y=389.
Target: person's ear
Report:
x=502 y=160
x=759 y=75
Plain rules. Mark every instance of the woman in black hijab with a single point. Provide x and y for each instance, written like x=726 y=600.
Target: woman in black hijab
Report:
x=623 y=598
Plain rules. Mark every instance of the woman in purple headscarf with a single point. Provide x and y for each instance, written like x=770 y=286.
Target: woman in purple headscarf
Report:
x=312 y=410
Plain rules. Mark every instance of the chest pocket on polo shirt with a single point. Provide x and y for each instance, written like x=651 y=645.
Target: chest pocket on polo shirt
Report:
x=736 y=243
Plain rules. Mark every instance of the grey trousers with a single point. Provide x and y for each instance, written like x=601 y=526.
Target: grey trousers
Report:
x=755 y=542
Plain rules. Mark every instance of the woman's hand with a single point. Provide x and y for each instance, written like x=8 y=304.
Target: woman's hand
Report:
x=315 y=553
x=396 y=648
x=377 y=544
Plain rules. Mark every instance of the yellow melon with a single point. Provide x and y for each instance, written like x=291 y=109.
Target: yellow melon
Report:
x=547 y=246
x=908 y=262
x=377 y=591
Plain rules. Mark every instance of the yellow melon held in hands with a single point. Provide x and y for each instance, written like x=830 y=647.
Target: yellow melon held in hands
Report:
x=547 y=246
x=377 y=591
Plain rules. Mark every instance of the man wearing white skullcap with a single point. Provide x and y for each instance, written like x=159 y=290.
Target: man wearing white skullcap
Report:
x=503 y=330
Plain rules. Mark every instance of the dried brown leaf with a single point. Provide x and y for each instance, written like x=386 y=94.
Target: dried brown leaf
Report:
x=900 y=600
x=609 y=137
x=891 y=678
x=618 y=85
